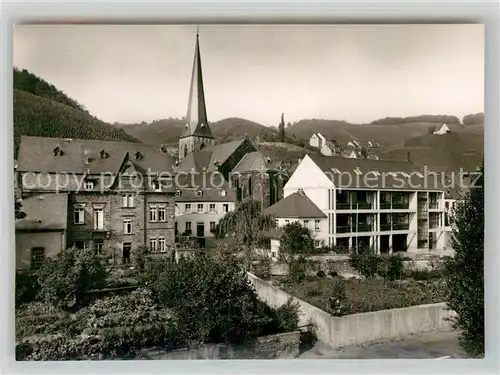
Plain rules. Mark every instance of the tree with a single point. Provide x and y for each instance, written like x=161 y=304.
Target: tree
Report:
x=282 y=128
x=465 y=271
x=18 y=209
x=295 y=239
x=246 y=223
x=65 y=278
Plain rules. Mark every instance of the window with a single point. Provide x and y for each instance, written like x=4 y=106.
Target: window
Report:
x=200 y=207
x=98 y=218
x=161 y=244
x=178 y=193
x=162 y=214
x=126 y=250
x=79 y=215
x=79 y=245
x=212 y=207
x=188 y=226
x=287 y=221
x=153 y=213
x=98 y=246
x=127 y=200
x=223 y=193
x=152 y=244
x=212 y=225
x=89 y=185
x=127 y=225
x=317 y=243
x=37 y=257
x=199 y=193
x=306 y=223
x=225 y=208
x=316 y=225
x=188 y=208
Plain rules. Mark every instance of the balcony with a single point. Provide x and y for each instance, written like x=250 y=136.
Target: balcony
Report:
x=385 y=227
x=400 y=226
x=344 y=229
x=400 y=205
x=343 y=206
x=363 y=228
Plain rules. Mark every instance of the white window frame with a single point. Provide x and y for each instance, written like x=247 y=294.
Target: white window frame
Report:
x=161 y=244
x=317 y=225
x=306 y=223
x=212 y=208
x=98 y=210
x=223 y=192
x=187 y=208
x=214 y=225
x=153 y=214
x=128 y=200
x=199 y=193
x=81 y=215
x=225 y=208
x=188 y=224
x=153 y=245
x=100 y=248
x=127 y=225
x=200 y=207
x=178 y=193
x=89 y=185
x=162 y=213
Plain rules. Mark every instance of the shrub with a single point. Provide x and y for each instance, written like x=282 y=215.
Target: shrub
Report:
x=27 y=287
x=66 y=278
x=297 y=270
x=366 y=264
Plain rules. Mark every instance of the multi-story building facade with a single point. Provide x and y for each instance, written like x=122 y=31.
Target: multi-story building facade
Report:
x=120 y=195
x=388 y=206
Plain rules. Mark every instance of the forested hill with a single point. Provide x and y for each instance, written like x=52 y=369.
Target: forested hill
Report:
x=40 y=109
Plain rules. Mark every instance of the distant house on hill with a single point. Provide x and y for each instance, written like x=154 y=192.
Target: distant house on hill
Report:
x=443 y=130
x=326 y=146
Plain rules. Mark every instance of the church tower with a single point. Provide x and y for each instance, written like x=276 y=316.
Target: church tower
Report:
x=196 y=133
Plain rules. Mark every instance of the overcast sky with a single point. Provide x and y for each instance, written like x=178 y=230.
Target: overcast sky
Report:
x=355 y=73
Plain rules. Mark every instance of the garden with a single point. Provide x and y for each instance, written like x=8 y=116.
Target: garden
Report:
x=76 y=308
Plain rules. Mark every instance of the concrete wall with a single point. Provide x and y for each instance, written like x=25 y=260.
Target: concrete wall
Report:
x=359 y=328
x=281 y=346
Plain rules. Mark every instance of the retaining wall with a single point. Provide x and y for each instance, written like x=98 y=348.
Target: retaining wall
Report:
x=362 y=328
x=280 y=346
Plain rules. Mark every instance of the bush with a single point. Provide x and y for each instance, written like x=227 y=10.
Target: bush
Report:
x=366 y=264
x=27 y=287
x=65 y=279
x=297 y=270
x=390 y=267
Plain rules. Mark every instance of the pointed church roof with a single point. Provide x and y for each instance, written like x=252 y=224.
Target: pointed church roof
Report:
x=196 y=117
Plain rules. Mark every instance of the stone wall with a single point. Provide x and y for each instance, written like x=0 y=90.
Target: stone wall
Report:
x=280 y=346
x=363 y=328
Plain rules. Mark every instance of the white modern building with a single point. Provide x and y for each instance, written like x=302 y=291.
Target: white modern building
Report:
x=388 y=206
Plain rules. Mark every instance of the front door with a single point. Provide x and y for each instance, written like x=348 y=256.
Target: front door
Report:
x=200 y=229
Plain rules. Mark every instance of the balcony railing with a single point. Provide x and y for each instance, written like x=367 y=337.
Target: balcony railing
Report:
x=385 y=205
x=344 y=229
x=354 y=206
x=400 y=226
x=362 y=228
x=343 y=206
x=400 y=205
x=385 y=227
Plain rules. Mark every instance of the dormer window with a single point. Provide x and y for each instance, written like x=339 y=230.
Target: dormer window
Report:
x=178 y=193
x=103 y=154
x=199 y=193
x=223 y=193
x=58 y=151
x=89 y=185
x=139 y=156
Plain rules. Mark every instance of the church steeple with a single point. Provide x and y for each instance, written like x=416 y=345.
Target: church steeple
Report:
x=196 y=117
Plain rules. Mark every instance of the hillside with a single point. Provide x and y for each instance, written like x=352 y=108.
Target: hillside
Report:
x=37 y=116
x=168 y=131
x=42 y=110
x=448 y=152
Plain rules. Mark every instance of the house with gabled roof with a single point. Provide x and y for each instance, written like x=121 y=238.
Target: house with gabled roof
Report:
x=326 y=146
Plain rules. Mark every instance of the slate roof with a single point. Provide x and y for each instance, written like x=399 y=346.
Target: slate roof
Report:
x=253 y=161
x=44 y=212
x=296 y=205
x=211 y=184
x=36 y=154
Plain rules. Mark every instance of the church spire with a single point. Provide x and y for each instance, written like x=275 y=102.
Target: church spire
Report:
x=196 y=117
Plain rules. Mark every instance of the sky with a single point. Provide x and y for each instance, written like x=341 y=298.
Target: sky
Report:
x=356 y=73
